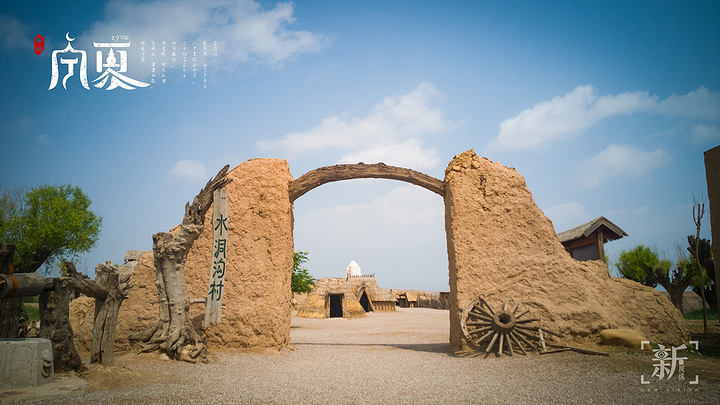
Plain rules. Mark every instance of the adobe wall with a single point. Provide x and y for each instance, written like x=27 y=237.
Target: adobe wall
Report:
x=501 y=245
x=259 y=259
x=258 y=271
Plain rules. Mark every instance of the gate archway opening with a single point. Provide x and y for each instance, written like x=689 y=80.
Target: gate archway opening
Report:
x=324 y=175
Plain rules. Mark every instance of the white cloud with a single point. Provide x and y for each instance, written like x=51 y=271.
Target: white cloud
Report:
x=14 y=34
x=701 y=103
x=409 y=154
x=245 y=31
x=565 y=116
x=399 y=235
x=392 y=132
x=619 y=160
x=397 y=213
x=705 y=133
x=567 y=215
x=189 y=170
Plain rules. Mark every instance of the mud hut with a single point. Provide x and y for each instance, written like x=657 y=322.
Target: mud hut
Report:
x=370 y=295
x=332 y=298
x=350 y=297
x=407 y=299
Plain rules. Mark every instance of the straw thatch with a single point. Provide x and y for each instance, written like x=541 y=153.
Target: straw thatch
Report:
x=612 y=231
x=357 y=295
x=587 y=241
x=322 y=297
x=379 y=299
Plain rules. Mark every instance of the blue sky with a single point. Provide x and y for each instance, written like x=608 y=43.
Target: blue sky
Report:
x=604 y=107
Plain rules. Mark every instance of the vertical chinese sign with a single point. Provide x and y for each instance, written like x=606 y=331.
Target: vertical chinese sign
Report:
x=213 y=301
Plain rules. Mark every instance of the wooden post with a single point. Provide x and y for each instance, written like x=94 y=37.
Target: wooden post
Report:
x=109 y=291
x=8 y=324
x=601 y=244
x=106 y=313
x=213 y=303
x=55 y=325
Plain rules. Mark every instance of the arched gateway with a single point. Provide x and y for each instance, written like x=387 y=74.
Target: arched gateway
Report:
x=500 y=246
x=328 y=174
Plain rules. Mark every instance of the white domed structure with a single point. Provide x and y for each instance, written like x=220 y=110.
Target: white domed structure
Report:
x=353 y=270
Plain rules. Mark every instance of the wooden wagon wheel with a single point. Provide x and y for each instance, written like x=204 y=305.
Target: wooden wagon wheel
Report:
x=479 y=319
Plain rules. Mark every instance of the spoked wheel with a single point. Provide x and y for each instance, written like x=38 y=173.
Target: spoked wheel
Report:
x=506 y=327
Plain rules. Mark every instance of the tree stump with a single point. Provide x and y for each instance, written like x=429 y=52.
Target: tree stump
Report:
x=106 y=313
x=9 y=306
x=55 y=325
x=173 y=332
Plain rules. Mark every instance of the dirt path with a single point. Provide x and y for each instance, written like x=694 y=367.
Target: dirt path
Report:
x=396 y=357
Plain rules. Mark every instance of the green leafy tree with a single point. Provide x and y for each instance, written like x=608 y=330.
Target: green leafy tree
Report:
x=302 y=281
x=643 y=265
x=44 y=224
x=638 y=265
x=51 y=222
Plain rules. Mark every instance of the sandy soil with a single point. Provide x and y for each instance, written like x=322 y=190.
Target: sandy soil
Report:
x=400 y=357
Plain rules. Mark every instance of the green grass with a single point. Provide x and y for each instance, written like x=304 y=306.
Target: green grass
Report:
x=698 y=314
x=32 y=298
x=32 y=312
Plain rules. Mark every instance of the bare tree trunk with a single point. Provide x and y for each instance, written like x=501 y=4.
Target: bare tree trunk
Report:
x=675 y=283
x=697 y=217
x=55 y=325
x=106 y=313
x=173 y=332
x=109 y=292
x=10 y=322
x=676 y=296
x=162 y=325
x=10 y=308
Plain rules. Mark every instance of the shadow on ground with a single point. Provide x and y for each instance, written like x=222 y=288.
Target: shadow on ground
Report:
x=418 y=347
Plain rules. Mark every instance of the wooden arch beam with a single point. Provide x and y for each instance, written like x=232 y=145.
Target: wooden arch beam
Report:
x=328 y=174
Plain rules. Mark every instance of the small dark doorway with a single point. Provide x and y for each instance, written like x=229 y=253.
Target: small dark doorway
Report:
x=365 y=302
x=336 y=310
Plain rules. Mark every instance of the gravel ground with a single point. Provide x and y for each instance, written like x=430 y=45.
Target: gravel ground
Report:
x=397 y=357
